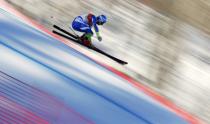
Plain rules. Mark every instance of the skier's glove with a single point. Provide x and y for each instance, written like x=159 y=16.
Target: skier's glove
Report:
x=99 y=38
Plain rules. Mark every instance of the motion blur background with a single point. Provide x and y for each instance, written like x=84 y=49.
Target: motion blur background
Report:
x=166 y=42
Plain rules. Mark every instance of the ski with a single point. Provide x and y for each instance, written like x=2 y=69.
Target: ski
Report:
x=109 y=56
x=67 y=37
x=75 y=39
x=66 y=32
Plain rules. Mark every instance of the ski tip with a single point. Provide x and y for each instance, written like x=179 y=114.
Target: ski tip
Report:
x=55 y=26
x=124 y=63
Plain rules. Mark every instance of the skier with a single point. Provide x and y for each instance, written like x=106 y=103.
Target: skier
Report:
x=84 y=23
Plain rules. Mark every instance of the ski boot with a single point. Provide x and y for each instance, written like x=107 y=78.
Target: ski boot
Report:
x=86 y=40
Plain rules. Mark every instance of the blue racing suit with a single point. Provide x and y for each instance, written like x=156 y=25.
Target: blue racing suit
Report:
x=84 y=23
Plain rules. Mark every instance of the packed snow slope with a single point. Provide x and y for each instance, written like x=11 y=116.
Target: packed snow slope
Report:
x=42 y=81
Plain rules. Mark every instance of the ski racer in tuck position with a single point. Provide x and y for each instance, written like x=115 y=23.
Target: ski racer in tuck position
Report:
x=84 y=23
